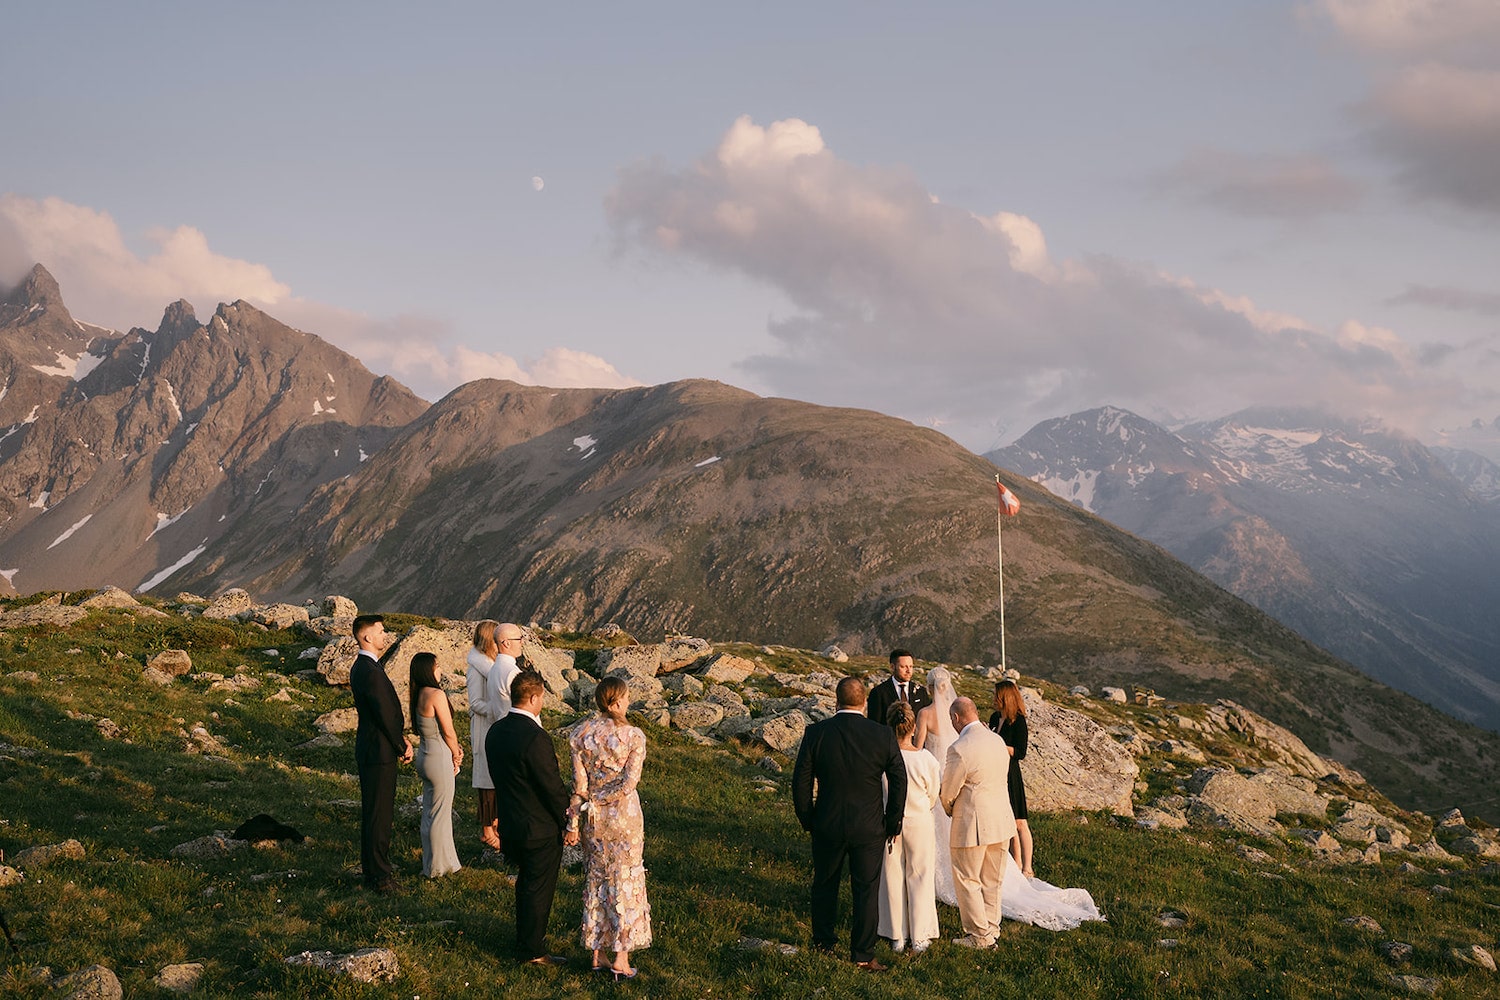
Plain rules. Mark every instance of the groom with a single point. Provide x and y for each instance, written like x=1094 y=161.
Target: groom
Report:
x=836 y=791
x=533 y=806
x=975 y=794
x=898 y=687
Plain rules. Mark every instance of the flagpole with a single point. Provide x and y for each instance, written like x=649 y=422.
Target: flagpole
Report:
x=1000 y=554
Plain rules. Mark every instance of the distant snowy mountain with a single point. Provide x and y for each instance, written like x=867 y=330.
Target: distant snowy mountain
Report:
x=1367 y=542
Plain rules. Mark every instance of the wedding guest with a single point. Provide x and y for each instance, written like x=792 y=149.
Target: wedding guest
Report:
x=908 y=901
x=482 y=714
x=379 y=745
x=1009 y=722
x=438 y=759
x=897 y=687
x=608 y=754
x=973 y=794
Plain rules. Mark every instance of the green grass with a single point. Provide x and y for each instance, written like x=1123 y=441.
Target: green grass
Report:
x=726 y=861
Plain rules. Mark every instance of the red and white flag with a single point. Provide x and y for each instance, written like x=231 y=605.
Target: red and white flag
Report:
x=1009 y=505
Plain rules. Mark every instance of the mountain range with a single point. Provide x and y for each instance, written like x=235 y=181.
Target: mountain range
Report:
x=1365 y=541
x=243 y=453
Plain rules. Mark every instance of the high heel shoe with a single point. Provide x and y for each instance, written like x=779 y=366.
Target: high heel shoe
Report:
x=622 y=975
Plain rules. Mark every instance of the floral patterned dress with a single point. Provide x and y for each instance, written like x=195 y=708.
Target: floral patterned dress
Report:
x=607 y=761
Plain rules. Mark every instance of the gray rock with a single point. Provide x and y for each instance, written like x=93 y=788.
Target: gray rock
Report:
x=1476 y=846
x=1476 y=956
x=697 y=715
x=782 y=732
x=10 y=876
x=1108 y=694
x=153 y=676
x=1073 y=764
x=1181 y=749
x=335 y=606
x=336 y=659
x=1364 y=923
x=1253 y=854
x=834 y=653
x=684 y=685
x=110 y=597
x=1167 y=918
x=1079 y=691
x=326 y=629
x=42 y=614
x=367 y=965
x=1418 y=984
x=1430 y=848
x=1397 y=952
x=93 y=983
x=214 y=845
x=726 y=668
x=279 y=615
x=643 y=691
x=731 y=701
x=174 y=662
x=1319 y=841
x=680 y=651
x=43 y=855
x=1153 y=818
x=230 y=604
x=633 y=661
x=759 y=944
x=609 y=632
x=339 y=720
x=182 y=978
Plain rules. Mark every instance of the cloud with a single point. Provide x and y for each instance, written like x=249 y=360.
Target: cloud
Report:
x=1449 y=298
x=1278 y=186
x=105 y=282
x=943 y=315
x=108 y=283
x=1440 y=124
x=1462 y=29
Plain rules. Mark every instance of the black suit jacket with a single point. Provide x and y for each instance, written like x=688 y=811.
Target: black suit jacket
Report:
x=529 y=792
x=379 y=739
x=845 y=757
x=883 y=696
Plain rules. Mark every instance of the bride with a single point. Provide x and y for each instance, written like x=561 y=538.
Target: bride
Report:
x=1029 y=900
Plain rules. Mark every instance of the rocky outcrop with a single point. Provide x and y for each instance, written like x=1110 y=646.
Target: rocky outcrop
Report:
x=1072 y=763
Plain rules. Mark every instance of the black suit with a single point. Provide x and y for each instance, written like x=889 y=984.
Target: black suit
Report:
x=846 y=757
x=884 y=695
x=378 y=746
x=533 y=808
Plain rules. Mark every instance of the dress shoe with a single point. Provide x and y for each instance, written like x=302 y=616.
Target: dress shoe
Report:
x=969 y=941
x=920 y=946
x=898 y=946
x=625 y=974
x=548 y=960
x=872 y=966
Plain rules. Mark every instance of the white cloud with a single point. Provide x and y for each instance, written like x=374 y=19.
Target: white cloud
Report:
x=1413 y=27
x=941 y=314
x=104 y=281
x=1441 y=125
x=1282 y=186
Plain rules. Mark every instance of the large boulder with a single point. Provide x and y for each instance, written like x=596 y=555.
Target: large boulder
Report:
x=1278 y=746
x=637 y=661
x=781 y=732
x=697 y=715
x=279 y=615
x=230 y=604
x=1225 y=798
x=336 y=659
x=726 y=668
x=1072 y=763
x=110 y=597
x=450 y=643
x=42 y=614
x=335 y=606
x=551 y=664
x=172 y=662
x=680 y=651
x=45 y=854
x=93 y=983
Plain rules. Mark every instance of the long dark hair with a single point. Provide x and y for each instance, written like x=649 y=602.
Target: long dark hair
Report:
x=423 y=675
x=1008 y=701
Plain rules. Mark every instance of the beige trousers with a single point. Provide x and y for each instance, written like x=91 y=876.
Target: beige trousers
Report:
x=977 y=874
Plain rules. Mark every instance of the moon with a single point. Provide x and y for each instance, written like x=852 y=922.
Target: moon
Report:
x=537 y=183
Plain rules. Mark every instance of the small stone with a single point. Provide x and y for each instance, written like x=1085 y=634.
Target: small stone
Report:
x=179 y=978
x=1397 y=952
x=1172 y=918
x=174 y=662
x=1364 y=923
x=44 y=855
x=367 y=965
x=93 y=983
x=1167 y=943
x=1417 y=984
x=1476 y=956
x=9 y=877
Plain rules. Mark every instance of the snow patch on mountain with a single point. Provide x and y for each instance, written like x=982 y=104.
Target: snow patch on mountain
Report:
x=69 y=533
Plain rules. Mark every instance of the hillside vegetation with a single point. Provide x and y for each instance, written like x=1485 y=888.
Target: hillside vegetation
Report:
x=95 y=752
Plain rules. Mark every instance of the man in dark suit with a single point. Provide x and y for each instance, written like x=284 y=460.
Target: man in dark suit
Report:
x=898 y=687
x=379 y=744
x=836 y=790
x=533 y=808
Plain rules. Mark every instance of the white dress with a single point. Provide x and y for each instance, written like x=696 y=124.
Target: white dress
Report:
x=1029 y=900
x=489 y=701
x=939 y=738
x=908 y=907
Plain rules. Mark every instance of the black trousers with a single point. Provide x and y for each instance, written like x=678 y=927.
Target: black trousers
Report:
x=377 y=814
x=829 y=855
x=537 y=862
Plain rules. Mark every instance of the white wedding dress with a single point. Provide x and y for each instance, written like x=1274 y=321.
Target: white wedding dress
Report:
x=1029 y=900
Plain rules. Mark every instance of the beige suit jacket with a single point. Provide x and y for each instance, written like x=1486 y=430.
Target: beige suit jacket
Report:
x=974 y=789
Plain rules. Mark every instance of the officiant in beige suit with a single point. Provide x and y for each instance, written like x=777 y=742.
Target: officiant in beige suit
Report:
x=975 y=794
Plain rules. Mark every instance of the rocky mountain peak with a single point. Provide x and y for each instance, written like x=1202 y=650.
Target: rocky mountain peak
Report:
x=36 y=295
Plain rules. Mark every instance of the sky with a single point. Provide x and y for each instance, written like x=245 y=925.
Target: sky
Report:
x=974 y=216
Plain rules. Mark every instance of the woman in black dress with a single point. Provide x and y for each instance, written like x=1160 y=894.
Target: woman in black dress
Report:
x=1009 y=721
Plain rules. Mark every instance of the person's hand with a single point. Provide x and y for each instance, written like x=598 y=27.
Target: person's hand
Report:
x=570 y=838
x=407 y=756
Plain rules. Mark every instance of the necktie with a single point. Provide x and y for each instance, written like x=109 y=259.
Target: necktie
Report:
x=903 y=692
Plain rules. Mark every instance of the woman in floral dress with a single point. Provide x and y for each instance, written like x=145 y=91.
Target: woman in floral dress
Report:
x=608 y=754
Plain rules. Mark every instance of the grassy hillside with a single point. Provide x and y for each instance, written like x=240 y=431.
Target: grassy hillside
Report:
x=726 y=859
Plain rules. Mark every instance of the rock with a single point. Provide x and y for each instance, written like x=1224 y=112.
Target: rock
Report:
x=1452 y=818
x=109 y=729
x=174 y=662
x=310 y=653
x=697 y=715
x=1253 y=854
x=685 y=685
x=368 y=965
x=182 y=978
x=10 y=876
x=609 y=632
x=1476 y=956
x=633 y=661
x=1152 y=818
x=230 y=604
x=449 y=643
x=321 y=740
x=643 y=692
x=1430 y=848
x=1079 y=691
x=1397 y=952
x=782 y=732
x=726 y=668
x=336 y=659
x=335 y=606
x=769 y=763
x=279 y=615
x=1180 y=749
x=1167 y=918
x=1418 y=984
x=734 y=725
x=93 y=983
x=282 y=695
x=153 y=676
x=1073 y=764
x=553 y=664
x=1108 y=694
x=1364 y=923
x=1226 y=798
x=728 y=698
x=325 y=629
x=582 y=691
x=759 y=944
x=1393 y=835
x=340 y=720
x=1475 y=846
x=110 y=597
x=42 y=614
x=837 y=655
x=1277 y=745
x=41 y=856
x=680 y=651
x=215 y=845
x=1319 y=841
